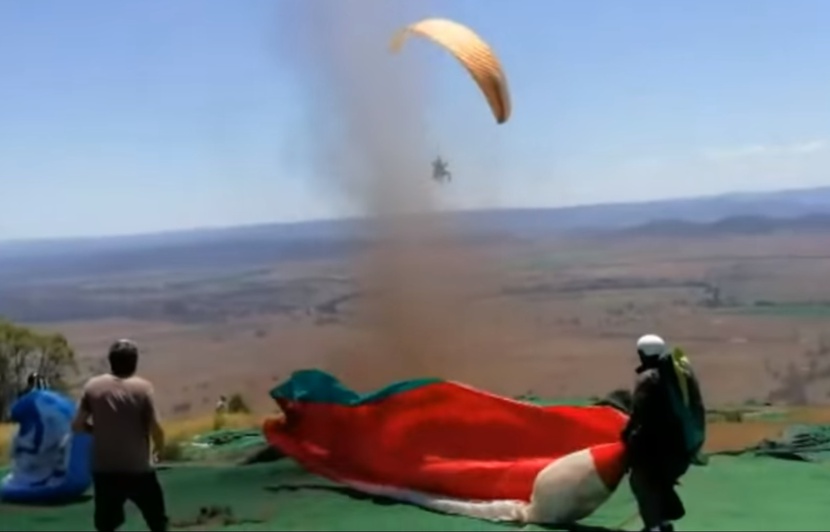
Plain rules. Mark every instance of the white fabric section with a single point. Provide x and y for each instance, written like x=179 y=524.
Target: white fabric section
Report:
x=567 y=490
x=486 y=510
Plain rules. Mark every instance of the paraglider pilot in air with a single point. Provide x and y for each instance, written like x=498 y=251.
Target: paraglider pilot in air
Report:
x=440 y=172
x=664 y=434
x=477 y=57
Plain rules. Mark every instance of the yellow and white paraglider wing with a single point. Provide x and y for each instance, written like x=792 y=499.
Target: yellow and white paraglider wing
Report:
x=471 y=50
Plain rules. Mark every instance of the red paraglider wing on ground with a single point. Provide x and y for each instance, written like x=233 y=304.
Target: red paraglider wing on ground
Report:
x=431 y=436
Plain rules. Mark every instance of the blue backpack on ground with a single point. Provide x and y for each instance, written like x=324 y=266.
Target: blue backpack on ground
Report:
x=50 y=464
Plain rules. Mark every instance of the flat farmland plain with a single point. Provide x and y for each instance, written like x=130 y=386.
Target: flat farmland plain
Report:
x=554 y=318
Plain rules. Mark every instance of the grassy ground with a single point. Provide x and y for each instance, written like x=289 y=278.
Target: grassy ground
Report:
x=729 y=494
x=726 y=495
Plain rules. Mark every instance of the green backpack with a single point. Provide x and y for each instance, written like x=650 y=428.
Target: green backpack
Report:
x=686 y=400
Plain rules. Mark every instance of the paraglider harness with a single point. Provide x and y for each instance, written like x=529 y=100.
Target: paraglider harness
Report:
x=439 y=170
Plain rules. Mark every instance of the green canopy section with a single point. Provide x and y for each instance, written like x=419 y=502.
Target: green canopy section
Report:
x=316 y=386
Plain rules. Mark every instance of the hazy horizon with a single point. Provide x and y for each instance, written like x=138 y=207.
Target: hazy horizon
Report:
x=359 y=217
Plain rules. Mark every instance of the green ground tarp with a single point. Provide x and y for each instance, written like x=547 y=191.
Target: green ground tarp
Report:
x=732 y=493
x=227 y=445
x=808 y=443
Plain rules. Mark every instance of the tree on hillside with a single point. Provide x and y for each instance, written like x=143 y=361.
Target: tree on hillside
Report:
x=22 y=351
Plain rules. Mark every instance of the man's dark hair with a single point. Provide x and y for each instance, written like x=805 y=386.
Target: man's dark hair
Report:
x=123 y=358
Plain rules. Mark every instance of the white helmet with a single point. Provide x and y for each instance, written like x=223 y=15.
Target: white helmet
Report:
x=651 y=345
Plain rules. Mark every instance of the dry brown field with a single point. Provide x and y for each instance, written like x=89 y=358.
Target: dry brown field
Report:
x=556 y=318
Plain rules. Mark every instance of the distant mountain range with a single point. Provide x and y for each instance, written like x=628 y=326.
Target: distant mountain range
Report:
x=733 y=225
x=741 y=213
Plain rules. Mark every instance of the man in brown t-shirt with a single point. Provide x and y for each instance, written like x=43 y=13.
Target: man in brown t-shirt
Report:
x=118 y=410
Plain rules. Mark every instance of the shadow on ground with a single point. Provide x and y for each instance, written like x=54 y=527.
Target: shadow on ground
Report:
x=214 y=517
x=60 y=503
x=340 y=490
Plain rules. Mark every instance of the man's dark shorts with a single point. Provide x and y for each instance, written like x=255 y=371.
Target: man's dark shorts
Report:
x=113 y=490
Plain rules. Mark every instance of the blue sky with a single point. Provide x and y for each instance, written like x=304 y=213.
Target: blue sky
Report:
x=125 y=117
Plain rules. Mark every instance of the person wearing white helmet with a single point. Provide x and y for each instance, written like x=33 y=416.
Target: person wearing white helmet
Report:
x=655 y=438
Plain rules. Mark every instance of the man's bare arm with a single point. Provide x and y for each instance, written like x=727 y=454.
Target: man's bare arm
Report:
x=157 y=435
x=156 y=430
x=81 y=421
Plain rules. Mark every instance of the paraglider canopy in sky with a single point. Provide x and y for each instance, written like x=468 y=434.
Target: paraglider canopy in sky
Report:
x=472 y=52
